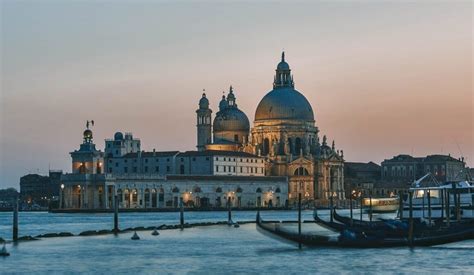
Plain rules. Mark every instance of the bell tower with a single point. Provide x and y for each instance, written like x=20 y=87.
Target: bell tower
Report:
x=204 y=132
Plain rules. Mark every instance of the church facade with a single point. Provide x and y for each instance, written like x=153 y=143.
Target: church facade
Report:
x=284 y=133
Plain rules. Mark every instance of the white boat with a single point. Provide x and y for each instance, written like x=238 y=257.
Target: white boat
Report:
x=438 y=200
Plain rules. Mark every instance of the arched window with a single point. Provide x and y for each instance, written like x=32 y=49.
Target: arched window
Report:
x=197 y=189
x=218 y=190
x=259 y=190
x=266 y=147
x=278 y=190
x=239 y=190
x=181 y=169
x=301 y=171
x=175 y=190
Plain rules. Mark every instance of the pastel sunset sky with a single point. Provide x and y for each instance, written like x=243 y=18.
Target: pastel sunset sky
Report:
x=384 y=78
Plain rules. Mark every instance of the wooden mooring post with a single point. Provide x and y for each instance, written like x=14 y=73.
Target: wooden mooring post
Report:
x=350 y=202
x=448 y=210
x=229 y=211
x=400 y=206
x=410 y=229
x=15 y=220
x=441 y=196
x=181 y=213
x=116 y=210
x=370 y=206
x=428 y=193
x=299 y=220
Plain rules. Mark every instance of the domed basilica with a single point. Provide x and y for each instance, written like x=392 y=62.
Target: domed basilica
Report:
x=284 y=132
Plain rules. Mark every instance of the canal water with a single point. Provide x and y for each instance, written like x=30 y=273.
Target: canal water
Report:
x=205 y=250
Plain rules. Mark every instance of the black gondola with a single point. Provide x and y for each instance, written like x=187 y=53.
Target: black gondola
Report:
x=349 y=238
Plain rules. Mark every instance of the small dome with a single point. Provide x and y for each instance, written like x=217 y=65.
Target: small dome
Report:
x=284 y=103
x=87 y=134
x=231 y=119
x=223 y=104
x=118 y=136
x=283 y=66
x=203 y=102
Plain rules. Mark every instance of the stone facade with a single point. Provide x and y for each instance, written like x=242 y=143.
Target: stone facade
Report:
x=285 y=134
x=205 y=179
x=405 y=168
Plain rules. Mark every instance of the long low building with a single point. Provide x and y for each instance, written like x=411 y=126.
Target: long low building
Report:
x=241 y=182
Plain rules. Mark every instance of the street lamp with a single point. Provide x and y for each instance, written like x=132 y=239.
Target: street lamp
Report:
x=61 y=203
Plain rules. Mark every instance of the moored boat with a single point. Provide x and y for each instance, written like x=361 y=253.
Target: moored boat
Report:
x=381 y=205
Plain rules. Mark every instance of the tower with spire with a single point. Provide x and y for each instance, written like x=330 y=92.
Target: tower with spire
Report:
x=204 y=122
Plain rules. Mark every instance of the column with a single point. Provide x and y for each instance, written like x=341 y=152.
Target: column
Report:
x=150 y=197
x=106 y=196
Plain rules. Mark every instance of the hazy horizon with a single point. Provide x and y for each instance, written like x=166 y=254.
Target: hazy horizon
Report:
x=383 y=78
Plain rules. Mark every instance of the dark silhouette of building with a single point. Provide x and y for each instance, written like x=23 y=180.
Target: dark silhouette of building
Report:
x=40 y=190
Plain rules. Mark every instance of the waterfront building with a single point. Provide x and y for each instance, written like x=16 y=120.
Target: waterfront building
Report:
x=359 y=175
x=407 y=169
x=283 y=147
x=284 y=133
x=40 y=190
x=154 y=179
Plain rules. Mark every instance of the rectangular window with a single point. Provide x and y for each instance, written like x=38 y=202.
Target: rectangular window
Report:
x=207 y=158
x=116 y=164
x=146 y=169
x=217 y=168
x=125 y=169
x=225 y=168
x=110 y=170
x=134 y=169
x=194 y=159
x=146 y=160
x=167 y=168
x=157 y=169
x=241 y=170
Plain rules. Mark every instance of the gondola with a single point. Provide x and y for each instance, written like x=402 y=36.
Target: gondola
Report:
x=358 y=223
x=381 y=231
x=350 y=238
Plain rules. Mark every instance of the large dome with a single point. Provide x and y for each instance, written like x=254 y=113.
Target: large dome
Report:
x=284 y=103
x=231 y=119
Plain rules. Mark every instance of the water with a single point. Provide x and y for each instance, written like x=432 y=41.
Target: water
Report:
x=205 y=250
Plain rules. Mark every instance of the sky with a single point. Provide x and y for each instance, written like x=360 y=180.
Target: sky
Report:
x=383 y=78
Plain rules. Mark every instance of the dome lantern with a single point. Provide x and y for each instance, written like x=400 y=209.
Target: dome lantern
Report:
x=284 y=102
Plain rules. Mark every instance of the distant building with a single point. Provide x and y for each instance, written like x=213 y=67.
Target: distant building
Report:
x=162 y=179
x=360 y=175
x=40 y=190
x=7 y=198
x=405 y=168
